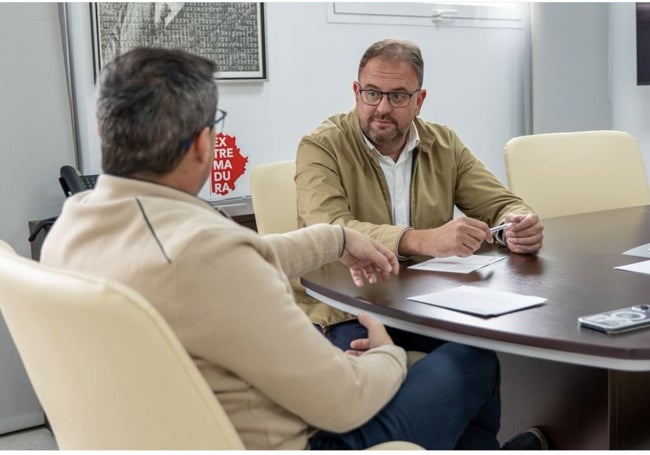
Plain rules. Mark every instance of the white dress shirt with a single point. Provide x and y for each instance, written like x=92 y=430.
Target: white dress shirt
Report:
x=398 y=177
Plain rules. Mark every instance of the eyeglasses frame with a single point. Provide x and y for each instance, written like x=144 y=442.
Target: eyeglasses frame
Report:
x=387 y=95
x=221 y=118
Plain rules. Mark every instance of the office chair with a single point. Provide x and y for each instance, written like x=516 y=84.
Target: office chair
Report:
x=273 y=193
x=569 y=173
x=72 y=182
x=107 y=369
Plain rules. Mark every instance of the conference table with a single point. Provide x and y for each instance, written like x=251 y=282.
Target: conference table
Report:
x=585 y=389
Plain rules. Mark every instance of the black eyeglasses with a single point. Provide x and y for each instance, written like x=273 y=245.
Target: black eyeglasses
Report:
x=221 y=118
x=396 y=99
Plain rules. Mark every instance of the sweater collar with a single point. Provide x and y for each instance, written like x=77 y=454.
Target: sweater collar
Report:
x=111 y=187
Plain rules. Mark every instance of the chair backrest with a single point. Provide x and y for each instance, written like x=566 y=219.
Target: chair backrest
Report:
x=108 y=370
x=578 y=172
x=273 y=192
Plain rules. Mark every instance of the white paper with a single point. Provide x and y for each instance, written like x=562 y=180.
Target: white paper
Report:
x=639 y=267
x=481 y=301
x=641 y=251
x=457 y=264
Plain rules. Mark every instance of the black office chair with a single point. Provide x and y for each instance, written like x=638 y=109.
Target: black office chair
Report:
x=72 y=182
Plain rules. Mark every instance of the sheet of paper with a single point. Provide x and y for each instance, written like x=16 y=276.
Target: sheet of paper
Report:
x=639 y=267
x=457 y=264
x=480 y=301
x=641 y=251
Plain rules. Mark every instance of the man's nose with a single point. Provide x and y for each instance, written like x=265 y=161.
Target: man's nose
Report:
x=384 y=105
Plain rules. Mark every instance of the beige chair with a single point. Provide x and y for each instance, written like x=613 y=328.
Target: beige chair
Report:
x=108 y=370
x=106 y=367
x=570 y=173
x=273 y=193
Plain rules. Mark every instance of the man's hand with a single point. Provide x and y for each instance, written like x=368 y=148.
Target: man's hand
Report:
x=366 y=257
x=377 y=336
x=459 y=237
x=525 y=235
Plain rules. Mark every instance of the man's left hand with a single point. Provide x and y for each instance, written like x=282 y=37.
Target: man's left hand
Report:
x=526 y=233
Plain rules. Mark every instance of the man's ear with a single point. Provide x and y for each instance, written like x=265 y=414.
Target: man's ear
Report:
x=420 y=100
x=202 y=144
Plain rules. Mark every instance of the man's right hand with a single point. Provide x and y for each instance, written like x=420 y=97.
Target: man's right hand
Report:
x=459 y=237
x=377 y=336
x=366 y=258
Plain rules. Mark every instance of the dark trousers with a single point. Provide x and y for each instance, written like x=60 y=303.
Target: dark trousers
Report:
x=449 y=399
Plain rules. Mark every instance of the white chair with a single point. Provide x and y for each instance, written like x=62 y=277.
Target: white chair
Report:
x=578 y=172
x=273 y=193
x=108 y=370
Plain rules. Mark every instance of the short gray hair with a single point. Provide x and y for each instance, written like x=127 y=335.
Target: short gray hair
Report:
x=396 y=50
x=151 y=100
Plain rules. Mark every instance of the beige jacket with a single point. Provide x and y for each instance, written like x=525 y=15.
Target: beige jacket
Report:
x=339 y=181
x=225 y=292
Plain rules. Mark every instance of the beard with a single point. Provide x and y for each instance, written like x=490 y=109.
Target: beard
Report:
x=384 y=137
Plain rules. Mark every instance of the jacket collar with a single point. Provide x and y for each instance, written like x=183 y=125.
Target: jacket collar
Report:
x=417 y=129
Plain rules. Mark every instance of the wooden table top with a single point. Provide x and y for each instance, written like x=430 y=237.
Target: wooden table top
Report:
x=574 y=270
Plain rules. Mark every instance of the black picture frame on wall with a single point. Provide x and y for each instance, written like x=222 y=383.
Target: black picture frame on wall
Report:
x=230 y=33
x=643 y=43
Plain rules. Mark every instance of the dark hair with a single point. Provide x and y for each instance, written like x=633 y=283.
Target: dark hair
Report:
x=150 y=101
x=397 y=50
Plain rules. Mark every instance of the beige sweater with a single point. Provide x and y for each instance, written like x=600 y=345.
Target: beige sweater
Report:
x=224 y=290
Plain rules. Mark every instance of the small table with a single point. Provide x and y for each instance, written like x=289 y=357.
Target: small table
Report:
x=240 y=209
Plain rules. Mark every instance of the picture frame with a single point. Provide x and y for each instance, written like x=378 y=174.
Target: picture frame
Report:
x=642 y=44
x=230 y=33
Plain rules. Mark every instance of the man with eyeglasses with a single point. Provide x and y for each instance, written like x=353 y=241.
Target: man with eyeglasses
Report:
x=386 y=172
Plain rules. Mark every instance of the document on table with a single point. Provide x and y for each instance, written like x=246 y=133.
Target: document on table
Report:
x=641 y=251
x=639 y=267
x=457 y=264
x=480 y=301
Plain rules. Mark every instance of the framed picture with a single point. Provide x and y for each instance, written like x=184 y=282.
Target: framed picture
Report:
x=230 y=33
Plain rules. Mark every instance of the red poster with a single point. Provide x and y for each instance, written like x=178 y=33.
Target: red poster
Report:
x=228 y=165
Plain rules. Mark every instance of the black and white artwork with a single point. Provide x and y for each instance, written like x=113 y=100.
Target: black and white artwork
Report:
x=230 y=33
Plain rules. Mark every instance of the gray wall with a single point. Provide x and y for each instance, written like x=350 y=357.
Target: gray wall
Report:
x=630 y=103
x=35 y=133
x=35 y=125
x=584 y=71
x=570 y=67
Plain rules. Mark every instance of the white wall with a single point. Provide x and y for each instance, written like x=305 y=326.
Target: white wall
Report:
x=630 y=103
x=474 y=78
x=35 y=124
